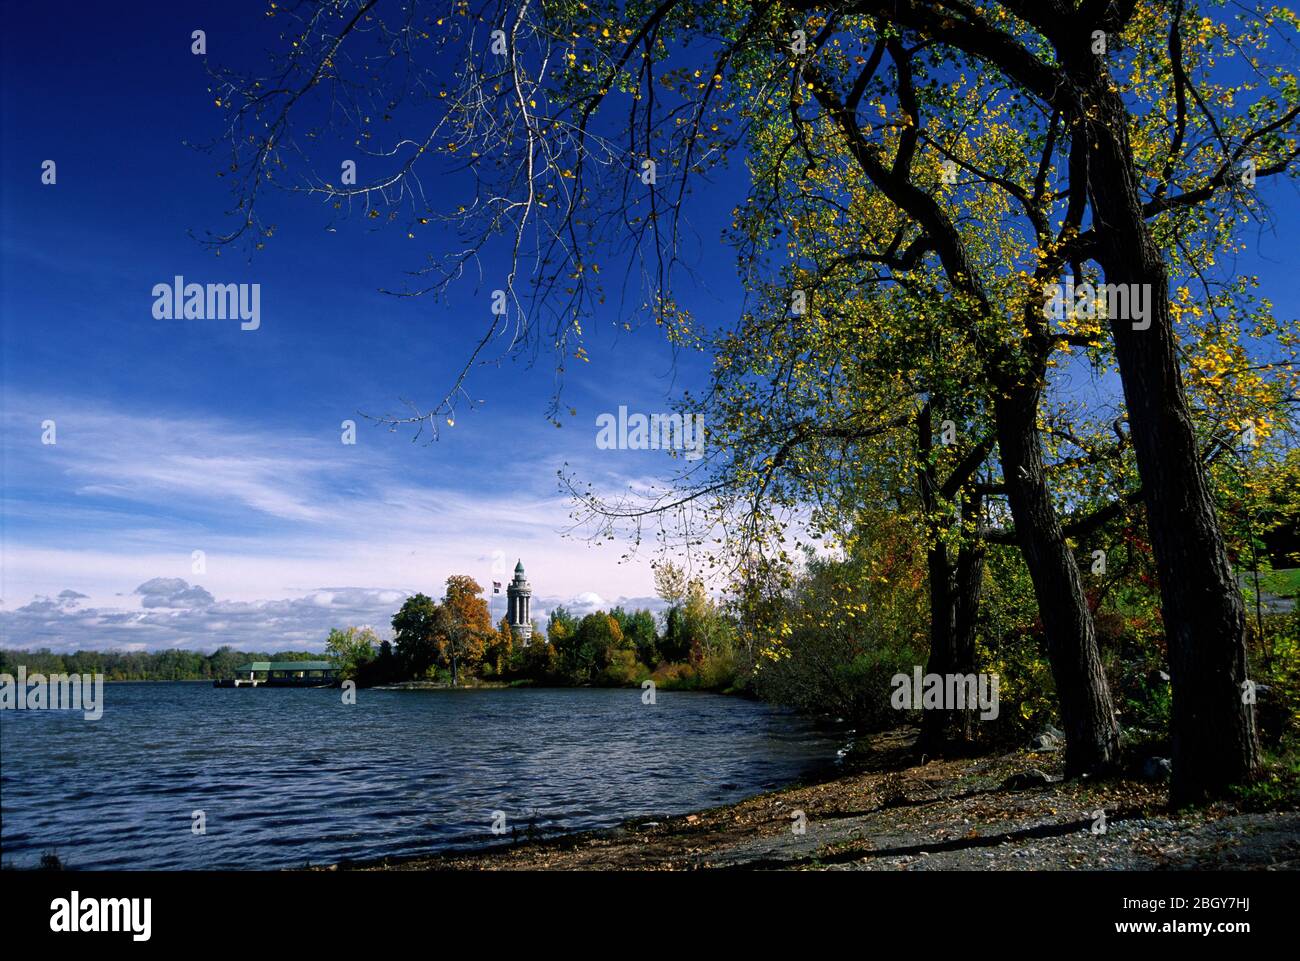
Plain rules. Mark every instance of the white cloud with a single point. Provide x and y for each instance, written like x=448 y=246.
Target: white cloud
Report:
x=117 y=508
x=181 y=621
x=172 y=592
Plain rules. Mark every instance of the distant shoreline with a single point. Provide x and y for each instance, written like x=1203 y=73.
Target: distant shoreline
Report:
x=443 y=686
x=403 y=686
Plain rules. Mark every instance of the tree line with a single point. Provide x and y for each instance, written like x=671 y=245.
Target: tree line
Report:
x=453 y=641
x=169 y=665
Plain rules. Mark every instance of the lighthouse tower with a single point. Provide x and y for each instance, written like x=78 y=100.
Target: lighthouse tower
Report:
x=519 y=597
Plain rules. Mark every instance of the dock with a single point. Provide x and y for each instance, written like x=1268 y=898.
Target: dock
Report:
x=283 y=674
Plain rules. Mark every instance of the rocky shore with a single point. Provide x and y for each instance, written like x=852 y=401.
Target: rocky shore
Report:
x=1005 y=812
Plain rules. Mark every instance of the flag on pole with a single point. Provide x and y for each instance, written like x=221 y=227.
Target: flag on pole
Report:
x=496 y=587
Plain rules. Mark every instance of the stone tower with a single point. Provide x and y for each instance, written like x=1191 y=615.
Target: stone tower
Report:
x=519 y=596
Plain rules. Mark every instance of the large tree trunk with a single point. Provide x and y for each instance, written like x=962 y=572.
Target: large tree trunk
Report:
x=1087 y=714
x=954 y=600
x=1214 y=739
x=936 y=726
x=954 y=607
x=968 y=586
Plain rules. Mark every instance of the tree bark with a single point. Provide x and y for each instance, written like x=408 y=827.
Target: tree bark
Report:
x=1087 y=713
x=968 y=587
x=936 y=726
x=934 y=729
x=1214 y=739
x=954 y=599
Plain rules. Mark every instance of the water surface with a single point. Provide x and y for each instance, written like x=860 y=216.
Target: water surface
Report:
x=287 y=777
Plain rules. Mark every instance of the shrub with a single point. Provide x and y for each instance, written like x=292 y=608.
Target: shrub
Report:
x=675 y=677
x=622 y=670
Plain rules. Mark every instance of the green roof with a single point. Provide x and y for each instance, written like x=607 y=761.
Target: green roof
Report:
x=287 y=666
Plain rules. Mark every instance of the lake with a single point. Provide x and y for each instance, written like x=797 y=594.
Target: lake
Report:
x=288 y=777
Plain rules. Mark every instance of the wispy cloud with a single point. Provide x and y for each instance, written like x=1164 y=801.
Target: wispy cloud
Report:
x=138 y=530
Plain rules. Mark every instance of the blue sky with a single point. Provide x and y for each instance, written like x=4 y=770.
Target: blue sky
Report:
x=181 y=436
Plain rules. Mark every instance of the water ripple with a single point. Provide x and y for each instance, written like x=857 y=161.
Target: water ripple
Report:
x=286 y=777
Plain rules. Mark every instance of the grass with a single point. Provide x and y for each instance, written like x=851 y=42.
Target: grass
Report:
x=1285 y=583
x=1279 y=785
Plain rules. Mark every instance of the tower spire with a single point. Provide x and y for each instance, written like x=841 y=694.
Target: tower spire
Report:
x=519 y=597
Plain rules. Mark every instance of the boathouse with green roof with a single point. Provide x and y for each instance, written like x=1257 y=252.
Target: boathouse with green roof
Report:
x=283 y=674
